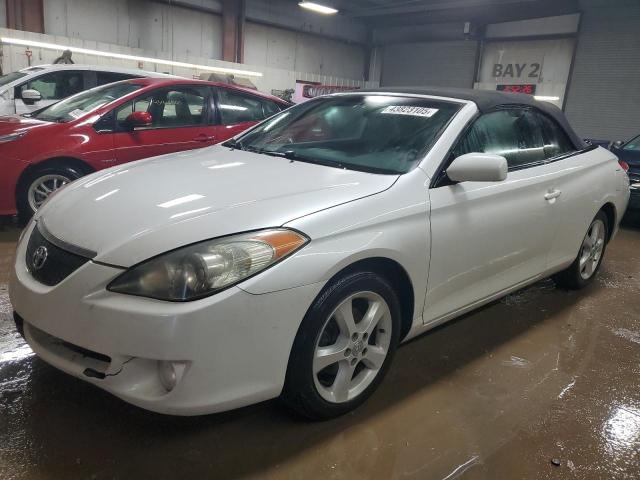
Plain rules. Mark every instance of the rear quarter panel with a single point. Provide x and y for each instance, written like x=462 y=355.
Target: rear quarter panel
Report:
x=588 y=181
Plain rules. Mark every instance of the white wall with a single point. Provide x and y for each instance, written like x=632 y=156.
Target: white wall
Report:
x=138 y=24
x=552 y=57
x=560 y=25
x=14 y=58
x=278 y=48
x=176 y=32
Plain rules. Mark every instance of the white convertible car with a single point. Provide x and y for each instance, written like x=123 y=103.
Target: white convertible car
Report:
x=293 y=259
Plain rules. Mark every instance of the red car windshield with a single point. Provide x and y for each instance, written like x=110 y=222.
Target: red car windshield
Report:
x=79 y=105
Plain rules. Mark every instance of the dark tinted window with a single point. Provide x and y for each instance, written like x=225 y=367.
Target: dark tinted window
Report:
x=55 y=85
x=514 y=133
x=173 y=107
x=102 y=78
x=237 y=107
x=556 y=141
x=633 y=145
x=269 y=108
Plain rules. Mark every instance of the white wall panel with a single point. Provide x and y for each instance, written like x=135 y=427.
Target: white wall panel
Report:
x=560 y=25
x=543 y=63
x=279 y=48
x=138 y=24
x=14 y=58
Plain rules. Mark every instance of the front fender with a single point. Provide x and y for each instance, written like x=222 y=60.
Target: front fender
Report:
x=393 y=224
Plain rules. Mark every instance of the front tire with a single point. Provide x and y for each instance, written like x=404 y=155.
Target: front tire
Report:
x=40 y=183
x=343 y=347
x=587 y=264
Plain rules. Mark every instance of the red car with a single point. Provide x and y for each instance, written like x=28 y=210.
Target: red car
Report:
x=115 y=124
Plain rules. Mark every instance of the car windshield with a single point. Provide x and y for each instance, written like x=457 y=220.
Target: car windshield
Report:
x=75 y=107
x=374 y=133
x=10 y=77
x=633 y=145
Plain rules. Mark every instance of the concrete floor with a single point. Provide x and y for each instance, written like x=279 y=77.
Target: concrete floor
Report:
x=543 y=374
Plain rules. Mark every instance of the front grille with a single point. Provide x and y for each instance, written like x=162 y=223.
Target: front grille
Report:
x=48 y=263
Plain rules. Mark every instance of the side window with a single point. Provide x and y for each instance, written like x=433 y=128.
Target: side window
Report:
x=238 y=108
x=556 y=141
x=102 y=78
x=513 y=133
x=140 y=104
x=55 y=85
x=174 y=107
x=269 y=108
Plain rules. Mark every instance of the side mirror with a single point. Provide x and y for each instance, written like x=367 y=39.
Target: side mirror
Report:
x=617 y=145
x=30 y=96
x=138 y=120
x=478 y=167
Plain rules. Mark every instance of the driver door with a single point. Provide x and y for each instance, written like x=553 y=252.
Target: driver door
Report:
x=180 y=121
x=487 y=237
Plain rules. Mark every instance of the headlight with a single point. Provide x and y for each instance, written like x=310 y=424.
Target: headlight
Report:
x=202 y=269
x=11 y=137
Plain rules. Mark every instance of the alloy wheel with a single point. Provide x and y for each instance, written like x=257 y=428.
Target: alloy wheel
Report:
x=352 y=347
x=592 y=249
x=43 y=187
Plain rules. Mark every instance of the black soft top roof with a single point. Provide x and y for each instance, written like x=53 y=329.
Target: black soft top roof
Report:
x=487 y=100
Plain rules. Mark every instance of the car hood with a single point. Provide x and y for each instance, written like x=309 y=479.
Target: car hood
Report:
x=13 y=123
x=132 y=212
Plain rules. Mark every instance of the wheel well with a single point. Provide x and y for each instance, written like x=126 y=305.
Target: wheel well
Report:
x=51 y=162
x=610 y=211
x=399 y=280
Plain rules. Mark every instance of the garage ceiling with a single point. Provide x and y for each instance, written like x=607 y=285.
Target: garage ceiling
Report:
x=386 y=13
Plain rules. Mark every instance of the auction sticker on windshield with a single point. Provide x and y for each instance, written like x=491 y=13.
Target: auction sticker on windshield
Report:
x=77 y=113
x=409 y=110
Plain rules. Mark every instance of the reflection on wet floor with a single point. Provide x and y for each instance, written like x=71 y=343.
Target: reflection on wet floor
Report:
x=541 y=375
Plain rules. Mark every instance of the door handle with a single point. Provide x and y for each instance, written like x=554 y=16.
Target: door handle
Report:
x=552 y=194
x=204 y=138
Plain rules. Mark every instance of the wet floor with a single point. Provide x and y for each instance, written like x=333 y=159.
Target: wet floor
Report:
x=541 y=375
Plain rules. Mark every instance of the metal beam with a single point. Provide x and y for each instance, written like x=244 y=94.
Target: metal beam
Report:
x=233 y=12
x=491 y=12
x=424 y=7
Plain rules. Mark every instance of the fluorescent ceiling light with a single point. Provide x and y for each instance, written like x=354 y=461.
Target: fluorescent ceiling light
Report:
x=316 y=7
x=542 y=98
x=122 y=56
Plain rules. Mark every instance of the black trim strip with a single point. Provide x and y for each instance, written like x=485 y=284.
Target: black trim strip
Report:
x=82 y=252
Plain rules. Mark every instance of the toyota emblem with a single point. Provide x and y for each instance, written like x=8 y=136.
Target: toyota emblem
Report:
x=39 y=257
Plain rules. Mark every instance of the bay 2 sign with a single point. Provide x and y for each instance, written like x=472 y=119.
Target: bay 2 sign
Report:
x=516 y=70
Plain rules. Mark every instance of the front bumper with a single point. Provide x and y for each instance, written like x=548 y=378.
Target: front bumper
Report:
x=234 y=346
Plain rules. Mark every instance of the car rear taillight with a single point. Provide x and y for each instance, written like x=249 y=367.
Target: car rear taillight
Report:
x=624 y=165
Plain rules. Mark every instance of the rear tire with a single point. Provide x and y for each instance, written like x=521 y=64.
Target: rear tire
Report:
x=343 y=347
x=587 y=264
x=36 y=187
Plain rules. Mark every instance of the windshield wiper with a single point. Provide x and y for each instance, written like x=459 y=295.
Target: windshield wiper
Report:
x=296 y=157
x=233 y=144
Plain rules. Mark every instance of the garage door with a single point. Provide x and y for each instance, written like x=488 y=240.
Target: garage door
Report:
x=604 y=93
x=448 y=63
